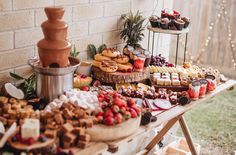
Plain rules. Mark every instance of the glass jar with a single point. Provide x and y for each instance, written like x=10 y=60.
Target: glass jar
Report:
x=194 y=89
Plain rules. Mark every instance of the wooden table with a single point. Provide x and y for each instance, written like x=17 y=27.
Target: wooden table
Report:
x=170 y=117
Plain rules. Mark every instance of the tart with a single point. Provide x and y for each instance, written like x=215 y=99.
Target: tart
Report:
x=96 y=63
x=179 y=24
x=82 y=80
x=121 y=59
x=108 y=66
x=100 y=57
x=165 y=23
x=110 y=52
x=128 y=67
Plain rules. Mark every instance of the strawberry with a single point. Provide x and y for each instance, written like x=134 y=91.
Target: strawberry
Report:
x=118 y=118
x=100 y=119
x=101 y=113
x=115 y=95
x=127 y=115
x=30 y=141
x=104 y=105
x=131 y=102
x=85 y=88
x=100 y=97
x=122 y=110
x=107 y=98
x=108 y=113
x=109 y=120
x=119 y=102
x=133 y=113
x=138 y=111
x=115 y=109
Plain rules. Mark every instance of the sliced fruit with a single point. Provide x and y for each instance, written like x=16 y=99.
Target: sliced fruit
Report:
x=9 y=89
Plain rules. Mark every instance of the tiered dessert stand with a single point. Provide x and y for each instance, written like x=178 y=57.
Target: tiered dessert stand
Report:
x=171 y=32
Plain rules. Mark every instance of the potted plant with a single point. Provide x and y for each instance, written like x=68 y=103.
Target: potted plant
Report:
x=133 y=28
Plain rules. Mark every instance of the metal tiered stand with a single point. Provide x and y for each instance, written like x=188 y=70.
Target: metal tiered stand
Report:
x=155 y=30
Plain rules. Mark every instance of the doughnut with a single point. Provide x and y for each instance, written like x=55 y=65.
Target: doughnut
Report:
x=121 y=59
x=100 y=57
x=108 y=66
x=110 y=52
x=128 y=67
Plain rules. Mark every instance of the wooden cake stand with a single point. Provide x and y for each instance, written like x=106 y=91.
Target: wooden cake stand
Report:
x=120 y=77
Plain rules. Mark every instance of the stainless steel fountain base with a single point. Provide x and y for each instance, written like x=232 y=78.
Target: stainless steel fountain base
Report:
x=52 y=82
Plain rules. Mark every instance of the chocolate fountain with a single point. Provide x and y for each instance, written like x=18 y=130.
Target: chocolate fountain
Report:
x=54 y=67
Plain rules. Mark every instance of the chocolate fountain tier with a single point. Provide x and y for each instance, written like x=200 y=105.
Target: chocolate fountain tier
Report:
x=51 y=82
x=54 y=13
x=54 y=53
x=55 y=30
x=54 y=49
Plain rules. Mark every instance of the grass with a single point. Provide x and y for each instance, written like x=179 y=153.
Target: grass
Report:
x=213 y=124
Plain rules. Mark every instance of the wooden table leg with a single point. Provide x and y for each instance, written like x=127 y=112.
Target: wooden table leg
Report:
x=187 y=135
x=159 y=136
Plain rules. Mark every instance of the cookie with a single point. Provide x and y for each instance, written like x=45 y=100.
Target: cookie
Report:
x=122 y=59
x=99 y=57
x=108 y=66
x=110 y=52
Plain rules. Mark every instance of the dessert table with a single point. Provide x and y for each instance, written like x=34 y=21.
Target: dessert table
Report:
x=169 y=117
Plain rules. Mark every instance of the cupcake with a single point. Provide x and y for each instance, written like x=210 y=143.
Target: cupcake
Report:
x=179 y=24
x=165 y=23
x=172 y=25
x=155 y=21
x=186 y=20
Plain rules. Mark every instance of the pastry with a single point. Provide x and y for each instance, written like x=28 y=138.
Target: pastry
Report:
x=175 y=82
x=155 y=21
x=160 y=81
x=179 y=24
x=96 y=63
x=121 y=59
x=128 y=67
x=100 y=57
x=110 y=52
x=108 y=66
x=165 y=23
x=82 y=80
x=186 y=21
x=167 y=82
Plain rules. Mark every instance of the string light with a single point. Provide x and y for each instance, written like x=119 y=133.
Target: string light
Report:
x=221 y=13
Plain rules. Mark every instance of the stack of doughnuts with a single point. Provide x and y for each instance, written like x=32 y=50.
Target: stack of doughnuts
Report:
x=109 y=58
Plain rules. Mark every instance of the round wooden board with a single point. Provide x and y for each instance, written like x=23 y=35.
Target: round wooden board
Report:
x=175 y=32
x=36 y=145
x=101 y=132
x=120 y=77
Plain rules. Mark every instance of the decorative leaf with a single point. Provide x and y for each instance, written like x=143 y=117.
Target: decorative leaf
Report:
x=92 y=50
x=74 y=53
x=101 y=48
x=16 y=76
